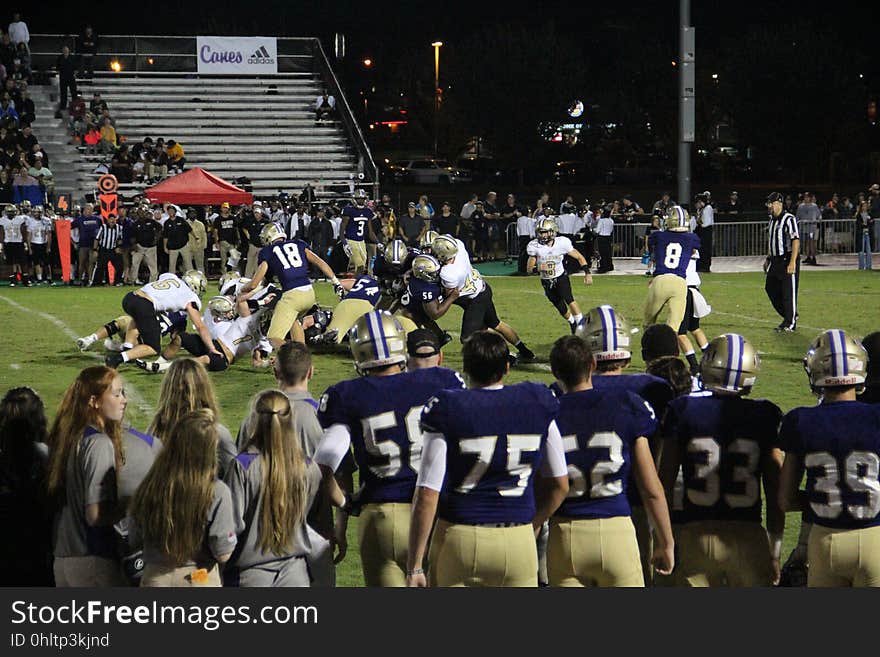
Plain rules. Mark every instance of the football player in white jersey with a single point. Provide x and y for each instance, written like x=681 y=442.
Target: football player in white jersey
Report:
x=474 y=294
x=167 y=294
x=39 y=239
x=13 y=234
x=547 y=251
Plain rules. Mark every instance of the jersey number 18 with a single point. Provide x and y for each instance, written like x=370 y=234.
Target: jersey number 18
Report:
x=289 y=256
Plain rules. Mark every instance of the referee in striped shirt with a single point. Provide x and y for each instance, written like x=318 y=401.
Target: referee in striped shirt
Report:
x=108 y=244
x=783 y=266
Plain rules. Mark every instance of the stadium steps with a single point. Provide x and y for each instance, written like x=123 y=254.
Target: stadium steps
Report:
x=259 y=128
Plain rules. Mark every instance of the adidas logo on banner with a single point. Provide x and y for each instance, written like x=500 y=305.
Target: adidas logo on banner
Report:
x=261 y=56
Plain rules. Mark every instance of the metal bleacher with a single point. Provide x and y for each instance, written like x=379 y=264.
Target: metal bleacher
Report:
x=261 y=128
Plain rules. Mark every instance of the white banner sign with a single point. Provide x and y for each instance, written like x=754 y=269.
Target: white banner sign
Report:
x=229 y=55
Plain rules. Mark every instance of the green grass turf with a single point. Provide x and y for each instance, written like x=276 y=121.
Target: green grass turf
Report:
x=37 y=351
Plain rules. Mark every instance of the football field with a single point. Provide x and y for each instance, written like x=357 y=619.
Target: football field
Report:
x=40 y=325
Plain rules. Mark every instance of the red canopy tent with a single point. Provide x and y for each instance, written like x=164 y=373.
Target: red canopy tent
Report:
x=197 y=187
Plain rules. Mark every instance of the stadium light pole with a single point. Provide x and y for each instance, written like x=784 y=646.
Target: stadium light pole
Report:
x=436 y=46
x=686 y=113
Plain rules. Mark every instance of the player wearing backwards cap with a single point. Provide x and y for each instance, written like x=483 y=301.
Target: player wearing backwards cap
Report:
x=378 y=415
x=838 y=444
x=671 y=251
x=548 y=251
x=167 y=295
x=609 y=336
x=725 y=445
x=423 y=348
x=483 y=448
x=474 y=294
x=288 y=261
x=592 y=540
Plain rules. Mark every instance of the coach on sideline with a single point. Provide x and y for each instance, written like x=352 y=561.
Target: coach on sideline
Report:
x=783 y=266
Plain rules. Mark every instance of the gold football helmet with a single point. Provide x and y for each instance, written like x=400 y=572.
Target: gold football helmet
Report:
x=222 y=309
x=196 y=281
x=226 y=279
x=729 y=365
x=24 y=206
x=272 y=232
x=677 y=219
x=444 y=248
x=396 y=252
x=546 y=230
x=427 y=240
x=426 y=268
x=836 y=359
x=377 y=339
x=11 y=210
x=607 y=333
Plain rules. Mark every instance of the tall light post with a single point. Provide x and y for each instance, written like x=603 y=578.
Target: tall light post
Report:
x=436 y=46
x=686 y=112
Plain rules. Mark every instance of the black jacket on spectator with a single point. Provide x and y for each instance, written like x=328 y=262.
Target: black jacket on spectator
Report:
x=320 y=234
x=27 y=142
x=66 y=67
x=253 y=226
x=176 y=231
x=145 y=232
x=446 y=225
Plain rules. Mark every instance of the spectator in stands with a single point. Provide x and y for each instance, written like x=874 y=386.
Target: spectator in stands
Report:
x=105 y=115
x=176 y=156
x=26 y=109
x=325 y=105
x=7 y=52
x=87 y=48
x=198 y=239
x=630 y=208
x=6 y=192
x=108 y=137
x=18 y=31
x=66 y=66
x=308 y=195
x=77 y=115
x=97 y=105
x=447 y=223
x=92 y=139
x=23 y=55
x=733 y=206
x=175 y=240
x=662 y=204
x=121 y=165
x=21 y=182
x=9 y=117
x=156 y=163
x=874 y=199
x=43 y=176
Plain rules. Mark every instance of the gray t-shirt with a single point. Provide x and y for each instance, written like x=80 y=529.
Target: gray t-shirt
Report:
x=141 y=450
x=245 y=480
x=90 y=478
x=220 y=538
x=808 y=216
x=226 y=450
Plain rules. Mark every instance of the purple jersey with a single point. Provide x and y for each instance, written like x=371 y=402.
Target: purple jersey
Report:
x=365 y=288
x=722 y=442
x=88 y=225
x=173 y=322
x=599 y=429
x=839 y=445
x=358 y=218
x=382 y=414
x=287 y=262
x=672 y=251
x=419 y=292
x=495 y=440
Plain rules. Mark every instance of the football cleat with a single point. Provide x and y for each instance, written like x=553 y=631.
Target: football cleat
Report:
x=226 y=279
x=546 y=230
x=272 y=232
x=526 y=355
x=222 y=309
x=677 y=219
x=112 y=345
x=427 y=240
x=113 y=360
x=377 y=339
x=729 y=365
x=426 y=268
x=196 y=281
x=607 y=333
x=84 y=343
x=836 y=359
x=444 y=248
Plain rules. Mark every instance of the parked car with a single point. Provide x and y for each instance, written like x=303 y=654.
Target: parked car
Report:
x=428 y=171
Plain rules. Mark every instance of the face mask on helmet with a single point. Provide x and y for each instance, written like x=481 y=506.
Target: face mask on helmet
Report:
x=222 y=309
x=426 y=268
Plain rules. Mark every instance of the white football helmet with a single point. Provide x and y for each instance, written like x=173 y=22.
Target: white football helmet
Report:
x=196 y=281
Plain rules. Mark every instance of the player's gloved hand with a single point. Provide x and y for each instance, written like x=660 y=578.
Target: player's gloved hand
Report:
x=340 y=291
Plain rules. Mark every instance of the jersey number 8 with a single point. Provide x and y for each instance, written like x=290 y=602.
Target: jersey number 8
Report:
x=673 y=255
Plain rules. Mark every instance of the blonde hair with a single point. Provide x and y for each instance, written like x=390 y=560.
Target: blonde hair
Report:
x=171 y=505
x=283 y=508
x=185 y=388
x=74 y=414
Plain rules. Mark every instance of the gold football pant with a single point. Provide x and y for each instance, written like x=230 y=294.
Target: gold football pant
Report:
x=844 y=557
x=346 y=313
x=719 y=553
x=292 y=305
x=469 y=555
x=358 y=254
x=596 y=552
x=383 y=535
x=666 y=291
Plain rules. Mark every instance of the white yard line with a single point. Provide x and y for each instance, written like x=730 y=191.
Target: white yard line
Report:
x=763 y=321
x=133 y=393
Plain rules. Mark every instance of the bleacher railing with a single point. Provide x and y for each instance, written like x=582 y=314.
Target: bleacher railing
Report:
x=157 y=54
